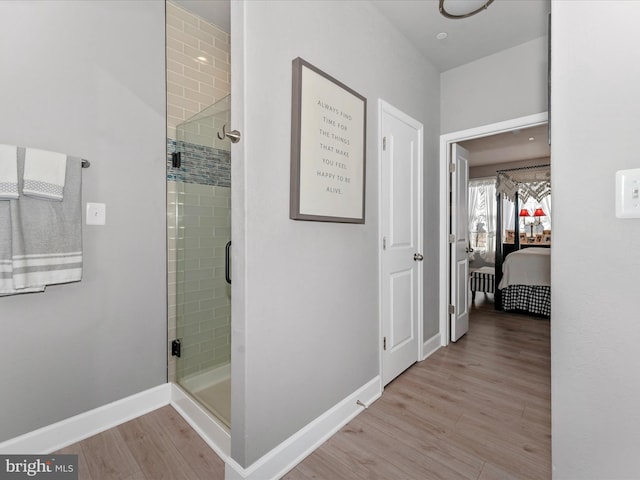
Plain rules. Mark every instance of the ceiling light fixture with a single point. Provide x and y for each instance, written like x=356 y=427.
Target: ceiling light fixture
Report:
x=463 y=8
x=442 y=35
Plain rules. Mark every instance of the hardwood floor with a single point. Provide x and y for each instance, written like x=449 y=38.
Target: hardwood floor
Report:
x=478 y=409
x=156 y=446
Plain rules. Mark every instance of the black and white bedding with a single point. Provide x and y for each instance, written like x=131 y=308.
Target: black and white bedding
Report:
x=526 y=281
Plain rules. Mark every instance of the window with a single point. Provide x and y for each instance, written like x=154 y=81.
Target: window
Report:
x=482 y=218
x=531 y=205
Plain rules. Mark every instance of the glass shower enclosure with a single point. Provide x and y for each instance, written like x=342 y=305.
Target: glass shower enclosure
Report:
x=201 y=173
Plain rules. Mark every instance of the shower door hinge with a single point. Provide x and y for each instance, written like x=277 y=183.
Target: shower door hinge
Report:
x=176 y=348
x=384 y=143
x=384 y=343
x=176 y=160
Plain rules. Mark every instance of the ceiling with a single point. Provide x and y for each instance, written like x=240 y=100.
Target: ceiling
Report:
x=213 y=11
x=504 y=24
x=521 y=144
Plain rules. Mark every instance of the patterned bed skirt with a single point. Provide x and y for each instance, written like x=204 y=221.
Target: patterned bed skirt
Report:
x=533 y=299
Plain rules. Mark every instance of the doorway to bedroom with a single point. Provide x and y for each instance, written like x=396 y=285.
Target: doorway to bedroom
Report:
x=520 y=343
x=475 y=226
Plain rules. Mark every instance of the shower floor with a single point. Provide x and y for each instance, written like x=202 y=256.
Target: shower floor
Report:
x=217 y=399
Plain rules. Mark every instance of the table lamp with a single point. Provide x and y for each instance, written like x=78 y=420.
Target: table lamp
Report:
x=524 y=213
x=537 y=214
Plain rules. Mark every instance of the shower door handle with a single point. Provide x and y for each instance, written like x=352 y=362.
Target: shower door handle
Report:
x=227 y=262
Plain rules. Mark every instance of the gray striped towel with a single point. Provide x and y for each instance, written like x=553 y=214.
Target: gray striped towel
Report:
x=45 y=240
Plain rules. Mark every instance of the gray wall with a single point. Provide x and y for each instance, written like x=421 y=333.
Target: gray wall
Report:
x=509 y=84
x=595 y=331
x=305 y=310
x=87 y=78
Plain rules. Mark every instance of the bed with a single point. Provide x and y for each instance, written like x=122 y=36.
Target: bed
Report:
x=518 y=185
x=526 y=281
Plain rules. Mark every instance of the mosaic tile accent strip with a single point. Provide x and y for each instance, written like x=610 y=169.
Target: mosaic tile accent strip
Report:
x=201 y=165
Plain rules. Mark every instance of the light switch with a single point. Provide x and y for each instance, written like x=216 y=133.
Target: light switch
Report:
x=96 y=213
x=628 y=193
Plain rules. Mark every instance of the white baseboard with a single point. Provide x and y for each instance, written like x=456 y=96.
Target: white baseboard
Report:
x=273 y=465
x=66 y=432
x=210 y=429
x=430 y=346
x=292 y=451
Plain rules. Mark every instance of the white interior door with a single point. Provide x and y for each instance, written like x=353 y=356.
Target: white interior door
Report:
x=401 y=226
x=459 y=290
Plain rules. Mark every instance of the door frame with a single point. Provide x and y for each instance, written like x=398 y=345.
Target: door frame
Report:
x=384 y=106
x=445 y=210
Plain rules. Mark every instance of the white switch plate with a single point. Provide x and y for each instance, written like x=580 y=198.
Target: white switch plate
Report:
x=96 y=213
x=628 y=193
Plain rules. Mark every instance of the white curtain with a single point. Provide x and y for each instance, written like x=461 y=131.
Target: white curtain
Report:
x=546 y=206
x=533 y=185
x=489 y=255
x=508 y=210
x=482 y=213
x=531 y=204
x=475 y=197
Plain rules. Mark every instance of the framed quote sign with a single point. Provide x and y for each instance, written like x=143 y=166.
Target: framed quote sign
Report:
x=328 y=133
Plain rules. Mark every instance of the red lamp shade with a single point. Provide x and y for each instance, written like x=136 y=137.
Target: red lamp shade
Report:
x=539 y=213
x=525 y=213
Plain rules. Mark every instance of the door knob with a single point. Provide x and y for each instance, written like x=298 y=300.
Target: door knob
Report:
x=418 y=257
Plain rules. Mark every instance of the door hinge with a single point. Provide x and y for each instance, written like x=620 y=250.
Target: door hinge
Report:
x=384 y=343
x=176 y=160
x=452 y=168
x=452 y=309
x=384 y=143
x=452 y=238
x=176 y=348
x=384 y=243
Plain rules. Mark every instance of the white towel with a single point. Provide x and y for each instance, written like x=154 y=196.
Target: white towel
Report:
x=44 y=174
x=41 y=242
x=8 y=172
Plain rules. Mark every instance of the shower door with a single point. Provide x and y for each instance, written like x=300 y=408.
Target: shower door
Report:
x=201 y=176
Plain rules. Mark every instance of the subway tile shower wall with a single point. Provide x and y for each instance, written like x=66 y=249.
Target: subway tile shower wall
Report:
x=198 y=65
x=198 y=292
x=198 y=75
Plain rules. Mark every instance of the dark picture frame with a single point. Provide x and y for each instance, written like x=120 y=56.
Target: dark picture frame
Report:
x=328 y=148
